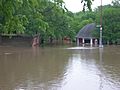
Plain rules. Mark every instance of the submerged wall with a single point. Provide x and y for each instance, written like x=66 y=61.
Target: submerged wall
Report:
x=16 y=40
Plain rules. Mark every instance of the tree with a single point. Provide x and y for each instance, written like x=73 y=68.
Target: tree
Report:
x=11 y=13
x=110 y=23
x=116 y=3
x=49 y=18
x=87 y=3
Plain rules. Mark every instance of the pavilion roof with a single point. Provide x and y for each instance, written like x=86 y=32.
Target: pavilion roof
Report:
x=86 y=31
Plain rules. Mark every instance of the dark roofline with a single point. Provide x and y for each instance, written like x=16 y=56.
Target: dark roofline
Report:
x=86 y=31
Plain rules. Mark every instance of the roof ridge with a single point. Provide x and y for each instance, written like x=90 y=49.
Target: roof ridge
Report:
x=86 y=30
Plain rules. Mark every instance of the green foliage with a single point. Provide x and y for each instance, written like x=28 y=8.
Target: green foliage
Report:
x=14 y=25
x=81 y=19
x=50 y=18
x=87 y=3
x=116 y=3
x=110 y=23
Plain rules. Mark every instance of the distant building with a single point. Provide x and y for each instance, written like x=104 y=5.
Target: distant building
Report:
x=85 y=37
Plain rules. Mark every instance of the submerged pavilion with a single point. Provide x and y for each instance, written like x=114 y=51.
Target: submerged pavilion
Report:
x=85 y=35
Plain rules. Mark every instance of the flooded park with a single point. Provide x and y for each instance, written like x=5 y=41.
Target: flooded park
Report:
x=59 y=45
x=60 y=68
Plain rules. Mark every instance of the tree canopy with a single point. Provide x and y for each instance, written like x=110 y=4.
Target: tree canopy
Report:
x=51 y=19
x=47 y=17
x=111 y=22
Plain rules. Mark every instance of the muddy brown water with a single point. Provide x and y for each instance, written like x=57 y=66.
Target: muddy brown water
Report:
x=60 y=68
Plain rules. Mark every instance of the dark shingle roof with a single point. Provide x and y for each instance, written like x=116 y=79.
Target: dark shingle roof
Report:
x=86 y=31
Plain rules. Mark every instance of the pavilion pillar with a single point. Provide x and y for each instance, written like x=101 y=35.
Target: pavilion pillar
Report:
x=83 y=41
x=77 y=41
x=91 y=41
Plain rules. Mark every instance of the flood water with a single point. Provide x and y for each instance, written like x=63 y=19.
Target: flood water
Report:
x=60 y=68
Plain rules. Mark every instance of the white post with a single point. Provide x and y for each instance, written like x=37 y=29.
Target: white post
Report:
x=77 y=41
x=100 y=41
x=91 y=41
x=83 y=42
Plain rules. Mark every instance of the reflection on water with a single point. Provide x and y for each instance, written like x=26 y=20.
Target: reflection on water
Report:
x=60 y=69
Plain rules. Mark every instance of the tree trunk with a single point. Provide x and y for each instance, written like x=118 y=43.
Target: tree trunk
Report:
x=0 y=39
